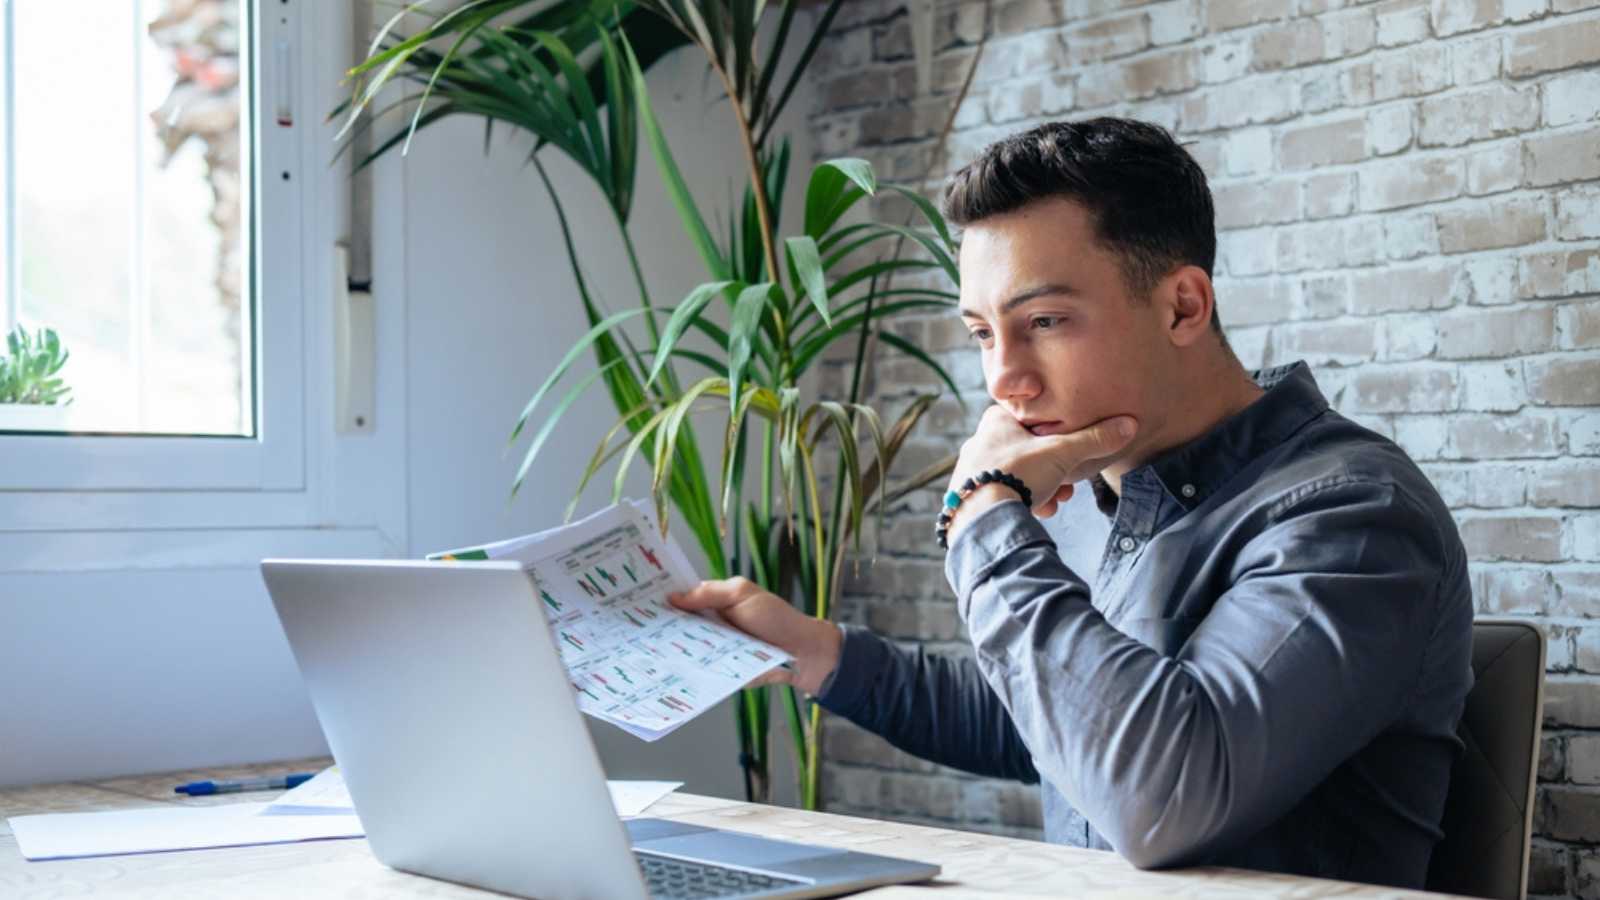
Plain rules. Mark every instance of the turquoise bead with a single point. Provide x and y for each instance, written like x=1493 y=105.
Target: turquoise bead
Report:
x=951 y=499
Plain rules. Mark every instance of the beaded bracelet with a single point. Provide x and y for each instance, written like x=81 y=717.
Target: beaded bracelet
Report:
x=953 y=498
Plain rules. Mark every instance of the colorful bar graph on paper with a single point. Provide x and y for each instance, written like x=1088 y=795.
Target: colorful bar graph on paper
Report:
x=632 y=658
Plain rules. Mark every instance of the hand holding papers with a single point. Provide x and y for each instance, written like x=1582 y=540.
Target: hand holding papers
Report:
x=634 y=660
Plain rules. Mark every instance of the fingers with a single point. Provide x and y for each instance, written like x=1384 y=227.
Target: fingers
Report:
x=1093 y=445
x=999 y=413
x=998 y=421
x=741 y=603
x=1112 y=434
x=716 y=594
x=773 y=676
x=1049 y=507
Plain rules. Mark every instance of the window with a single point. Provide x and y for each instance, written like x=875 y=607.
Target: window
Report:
x=127 y=148
x=141 y=186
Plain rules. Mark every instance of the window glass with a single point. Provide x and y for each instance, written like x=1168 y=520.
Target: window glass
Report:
x=127 y=218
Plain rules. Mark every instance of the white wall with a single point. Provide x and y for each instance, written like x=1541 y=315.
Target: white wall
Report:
x=492 y=306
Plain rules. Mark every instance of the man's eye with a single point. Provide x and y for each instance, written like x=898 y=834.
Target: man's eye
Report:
x=979 y=334
x=1045 y=321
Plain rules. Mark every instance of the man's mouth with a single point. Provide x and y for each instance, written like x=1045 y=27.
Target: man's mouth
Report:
x=1044 y=426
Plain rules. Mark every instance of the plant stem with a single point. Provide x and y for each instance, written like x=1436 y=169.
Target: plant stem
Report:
x=742 y=717
x=638 y=277
x=836 y=547
x=766 y=471
x=810 y=763
x=758 y=184
x=821 y=543
x=813 y=756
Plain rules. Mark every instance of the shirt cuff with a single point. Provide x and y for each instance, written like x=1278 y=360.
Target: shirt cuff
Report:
x=985 y=541
x=863 y=657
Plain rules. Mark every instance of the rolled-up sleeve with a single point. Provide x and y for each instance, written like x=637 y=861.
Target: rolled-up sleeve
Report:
x=935 y=707
x=1308 y=655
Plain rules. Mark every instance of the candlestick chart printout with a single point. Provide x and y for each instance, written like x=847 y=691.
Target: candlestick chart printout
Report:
x=633 y=659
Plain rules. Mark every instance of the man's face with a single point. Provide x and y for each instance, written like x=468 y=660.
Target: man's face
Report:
x=1064 y=345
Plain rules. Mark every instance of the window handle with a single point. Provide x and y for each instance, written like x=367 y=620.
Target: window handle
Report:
x=283 y=83
x=354 y=350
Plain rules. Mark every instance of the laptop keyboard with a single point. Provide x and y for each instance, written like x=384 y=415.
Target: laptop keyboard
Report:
x=677 y=879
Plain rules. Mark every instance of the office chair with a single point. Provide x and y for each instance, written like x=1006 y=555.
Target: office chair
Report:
x=1488 y=813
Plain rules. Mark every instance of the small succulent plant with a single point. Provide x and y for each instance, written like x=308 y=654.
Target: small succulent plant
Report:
x=30 y=372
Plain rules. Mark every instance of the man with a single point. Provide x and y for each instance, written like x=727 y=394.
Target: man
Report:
x=1270 y=666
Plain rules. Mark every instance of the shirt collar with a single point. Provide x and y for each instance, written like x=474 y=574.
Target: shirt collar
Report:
x=1193 y=471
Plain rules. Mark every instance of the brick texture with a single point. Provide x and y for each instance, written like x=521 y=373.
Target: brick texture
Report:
x=1408 y=198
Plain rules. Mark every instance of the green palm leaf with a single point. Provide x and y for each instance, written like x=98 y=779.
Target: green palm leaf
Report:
x=747 y=312
x=805 y=268
x=593 y=334
x=835 y=186
x=672 y=178
x=686 y=313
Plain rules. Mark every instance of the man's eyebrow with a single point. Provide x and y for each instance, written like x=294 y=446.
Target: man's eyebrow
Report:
x=1034 y=293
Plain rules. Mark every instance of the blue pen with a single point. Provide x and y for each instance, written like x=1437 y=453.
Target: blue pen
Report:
x=201 y=788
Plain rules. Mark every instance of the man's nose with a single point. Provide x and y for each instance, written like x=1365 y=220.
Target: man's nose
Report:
x=1012 y=374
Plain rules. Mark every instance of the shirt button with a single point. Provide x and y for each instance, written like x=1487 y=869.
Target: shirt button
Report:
x=1187 y=490
x=1127 y=544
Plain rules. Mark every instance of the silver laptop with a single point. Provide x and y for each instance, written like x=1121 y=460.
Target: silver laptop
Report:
x=448 y=710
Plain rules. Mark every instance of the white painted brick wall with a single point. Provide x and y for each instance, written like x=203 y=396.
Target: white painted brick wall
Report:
x=1408 y=196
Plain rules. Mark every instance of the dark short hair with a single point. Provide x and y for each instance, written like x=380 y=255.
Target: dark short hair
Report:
x=1147 y=196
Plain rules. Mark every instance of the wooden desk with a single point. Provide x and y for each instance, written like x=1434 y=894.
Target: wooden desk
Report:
x=975 y=865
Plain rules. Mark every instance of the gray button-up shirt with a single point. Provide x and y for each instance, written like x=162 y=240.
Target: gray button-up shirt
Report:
x=1267 y=672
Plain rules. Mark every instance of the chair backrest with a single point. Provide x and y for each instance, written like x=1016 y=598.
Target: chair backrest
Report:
x=1488 y=813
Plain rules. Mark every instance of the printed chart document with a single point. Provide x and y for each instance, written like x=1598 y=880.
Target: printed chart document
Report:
x=634 y=660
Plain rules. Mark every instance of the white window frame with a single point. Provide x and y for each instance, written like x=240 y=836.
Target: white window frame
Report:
x=155 y=462
x=219 y=491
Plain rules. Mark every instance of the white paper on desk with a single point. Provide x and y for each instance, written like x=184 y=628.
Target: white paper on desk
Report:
x=322 y=795
x=326 y=794
x=634 y=660
x=634 y=797
x=69 y=835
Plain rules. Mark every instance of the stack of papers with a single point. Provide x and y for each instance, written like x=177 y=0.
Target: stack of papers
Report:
x=633 y=659
x=316 y=810
x=326 y=795
x=70 y=835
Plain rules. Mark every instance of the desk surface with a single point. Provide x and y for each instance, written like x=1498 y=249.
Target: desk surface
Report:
x=975 y=865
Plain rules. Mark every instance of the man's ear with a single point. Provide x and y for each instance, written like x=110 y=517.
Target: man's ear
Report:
x=1189 y=304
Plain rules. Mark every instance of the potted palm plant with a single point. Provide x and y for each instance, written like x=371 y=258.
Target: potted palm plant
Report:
x=572 y=74
x=33 y=396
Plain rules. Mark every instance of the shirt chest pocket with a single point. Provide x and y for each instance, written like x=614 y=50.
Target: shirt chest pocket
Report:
x=1164 y=634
